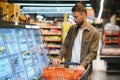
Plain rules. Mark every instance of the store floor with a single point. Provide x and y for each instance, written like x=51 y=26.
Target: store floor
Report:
x=102 y=75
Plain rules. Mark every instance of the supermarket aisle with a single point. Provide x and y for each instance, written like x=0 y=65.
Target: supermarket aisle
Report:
x=102 y=75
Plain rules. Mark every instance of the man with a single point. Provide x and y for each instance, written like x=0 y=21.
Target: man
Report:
x=81 y=43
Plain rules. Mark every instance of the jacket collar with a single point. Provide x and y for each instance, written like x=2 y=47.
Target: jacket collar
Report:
x=87 y=28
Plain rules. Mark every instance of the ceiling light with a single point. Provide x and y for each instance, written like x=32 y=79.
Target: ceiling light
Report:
x=30 y=4
x=101 y=9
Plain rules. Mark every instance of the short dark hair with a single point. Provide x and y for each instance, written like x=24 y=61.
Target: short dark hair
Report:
x=79 y=7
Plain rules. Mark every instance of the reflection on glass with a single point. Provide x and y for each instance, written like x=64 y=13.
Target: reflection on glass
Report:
x=13 y=48
x=5 y=70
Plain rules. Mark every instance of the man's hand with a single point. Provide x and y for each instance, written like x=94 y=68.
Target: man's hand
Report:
x=56 y=61
x=80 y=69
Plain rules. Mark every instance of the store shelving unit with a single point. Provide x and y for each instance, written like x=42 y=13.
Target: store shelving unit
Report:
x=112 y=37
x=52 y=37
x=111 y=50
x=21 y=57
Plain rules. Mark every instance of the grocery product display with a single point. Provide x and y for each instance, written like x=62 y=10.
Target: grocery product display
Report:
x=111 y=39
x=110 y=50
x=112 y=35
x=52 y=37
x=21 y=57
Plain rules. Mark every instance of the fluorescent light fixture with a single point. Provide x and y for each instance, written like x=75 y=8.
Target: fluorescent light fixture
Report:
x=38 y=12
x=30 y=4
x=44 y=10
x=101 y=9
x=47 y=8
x=88 y=5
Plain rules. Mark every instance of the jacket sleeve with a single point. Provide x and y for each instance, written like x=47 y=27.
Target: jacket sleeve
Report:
x=93 y=50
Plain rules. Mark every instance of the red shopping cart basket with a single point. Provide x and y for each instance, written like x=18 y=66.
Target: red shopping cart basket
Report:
x=59 y=73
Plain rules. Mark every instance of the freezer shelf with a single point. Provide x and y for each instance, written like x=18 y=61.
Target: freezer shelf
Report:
x=5 y=70
x=21 y=75
x=9 y=35
x=20 y=35
x=31 y=73
x=13 y=48
x=19 y=54
x=17 y=63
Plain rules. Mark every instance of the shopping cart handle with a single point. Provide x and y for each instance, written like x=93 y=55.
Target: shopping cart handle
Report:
x=70 y=63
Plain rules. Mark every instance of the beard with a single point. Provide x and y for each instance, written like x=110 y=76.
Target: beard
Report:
x=79 y=24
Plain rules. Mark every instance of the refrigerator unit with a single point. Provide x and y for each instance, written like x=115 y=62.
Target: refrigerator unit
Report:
x=21 y=57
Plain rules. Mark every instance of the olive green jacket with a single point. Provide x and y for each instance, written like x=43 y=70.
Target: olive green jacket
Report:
x=89 y=46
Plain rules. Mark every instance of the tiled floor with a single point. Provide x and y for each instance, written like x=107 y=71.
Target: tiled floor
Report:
x=102 y=75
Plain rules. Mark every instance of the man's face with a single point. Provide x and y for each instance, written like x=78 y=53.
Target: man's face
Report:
x=78 y=18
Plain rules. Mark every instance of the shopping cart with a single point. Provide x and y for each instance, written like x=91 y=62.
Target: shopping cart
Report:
x=61 y=73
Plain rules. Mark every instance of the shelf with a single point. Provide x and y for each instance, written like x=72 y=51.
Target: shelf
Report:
x=109 y=42
x=51 y=40
x=110 y=51
x=111 y=59
x=51 y=34
x=110 y=56
x=112 y=34
x=54 y=46
x=52 y=54
x=113 y=71
x=51 y=27
x=112 y=31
